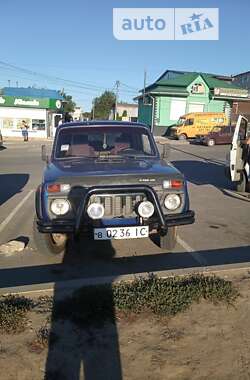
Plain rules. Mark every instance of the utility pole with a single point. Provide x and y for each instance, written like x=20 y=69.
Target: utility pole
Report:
x=117 y=85
x=93 y=110
x=144 y=85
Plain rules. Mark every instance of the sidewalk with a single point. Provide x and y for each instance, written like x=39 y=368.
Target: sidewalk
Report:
x=20 y=139
x=165 y=140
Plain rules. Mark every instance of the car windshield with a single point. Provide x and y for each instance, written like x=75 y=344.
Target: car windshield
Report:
x=181 y=121
x=216 y=129
x=98 y=142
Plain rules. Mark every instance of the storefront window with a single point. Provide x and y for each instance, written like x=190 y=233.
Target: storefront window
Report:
x=19 y=123
x=8 y=123
x=38 y=125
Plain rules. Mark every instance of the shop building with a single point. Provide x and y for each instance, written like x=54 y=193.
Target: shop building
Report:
x=177 y=93
x=241 y=108
x=41 y=109
x=125 y=112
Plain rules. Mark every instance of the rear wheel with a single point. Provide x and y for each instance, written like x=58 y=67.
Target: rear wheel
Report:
x=49 y=244
x=169 y=240
x=211 y=142
x=182 y=137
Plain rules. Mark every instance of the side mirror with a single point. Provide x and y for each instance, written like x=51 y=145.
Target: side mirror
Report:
x=44 y=154
x=165 y=151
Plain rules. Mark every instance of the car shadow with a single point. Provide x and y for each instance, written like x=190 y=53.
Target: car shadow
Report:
x=204 y=173
x=12 y=184
x=89 y=267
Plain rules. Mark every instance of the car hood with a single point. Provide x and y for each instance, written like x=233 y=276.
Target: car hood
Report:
x=99 y=172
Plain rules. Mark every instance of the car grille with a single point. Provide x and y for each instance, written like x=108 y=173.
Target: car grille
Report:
x=119 y=205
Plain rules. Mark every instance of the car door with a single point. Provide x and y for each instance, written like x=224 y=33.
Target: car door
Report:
x=238 y=149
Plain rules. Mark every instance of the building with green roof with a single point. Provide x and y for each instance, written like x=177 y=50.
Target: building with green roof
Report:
x=177 y=93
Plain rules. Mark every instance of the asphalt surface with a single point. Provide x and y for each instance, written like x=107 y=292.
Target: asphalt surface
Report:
x=220 y=236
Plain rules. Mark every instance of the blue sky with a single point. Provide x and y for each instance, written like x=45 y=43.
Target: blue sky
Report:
x=74 y=40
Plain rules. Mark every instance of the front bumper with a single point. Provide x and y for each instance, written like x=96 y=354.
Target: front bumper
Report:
x=82 y=223
x=67 y=227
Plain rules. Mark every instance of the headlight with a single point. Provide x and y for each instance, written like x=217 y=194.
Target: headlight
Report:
x=146 y=209
x=172 y=201
x=95 y=211
x=60 y=206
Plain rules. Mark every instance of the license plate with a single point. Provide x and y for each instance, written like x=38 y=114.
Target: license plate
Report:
x=118 y=233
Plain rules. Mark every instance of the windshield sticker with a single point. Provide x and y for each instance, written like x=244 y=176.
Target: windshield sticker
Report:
x=64 y=148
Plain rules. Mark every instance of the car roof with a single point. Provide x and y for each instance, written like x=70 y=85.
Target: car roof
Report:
x=105 y=123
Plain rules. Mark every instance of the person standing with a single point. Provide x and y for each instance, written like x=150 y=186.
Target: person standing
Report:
x=25 y=133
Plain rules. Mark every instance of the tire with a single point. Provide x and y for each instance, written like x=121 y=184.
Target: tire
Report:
x=241 y=186
x=211 y=142
x=182 y=137
x=47 y=244
x=168 y=241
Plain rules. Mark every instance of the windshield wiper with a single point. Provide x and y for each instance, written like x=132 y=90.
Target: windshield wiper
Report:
x=136 y=156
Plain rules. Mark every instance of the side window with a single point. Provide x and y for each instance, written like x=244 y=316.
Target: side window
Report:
x=243 y=130
x=189 y=122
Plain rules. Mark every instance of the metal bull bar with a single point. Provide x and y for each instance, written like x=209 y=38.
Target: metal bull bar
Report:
x=117 y=190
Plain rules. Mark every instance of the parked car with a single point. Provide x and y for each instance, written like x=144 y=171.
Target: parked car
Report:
x=218 y=135
x=1 y=139
x=108 y=181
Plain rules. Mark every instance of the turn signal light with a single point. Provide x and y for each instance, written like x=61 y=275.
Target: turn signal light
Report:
x=176 y=184
x=58 y=188
x=172 y=184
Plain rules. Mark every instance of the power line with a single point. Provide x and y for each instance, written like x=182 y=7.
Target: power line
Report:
x=54 y=78
x=82 y=85
x=126 y=85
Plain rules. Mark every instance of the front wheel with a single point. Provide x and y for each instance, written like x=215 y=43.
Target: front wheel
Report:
x=169 y=240
x=241 y=186
x=182 y=137
x=49 y=244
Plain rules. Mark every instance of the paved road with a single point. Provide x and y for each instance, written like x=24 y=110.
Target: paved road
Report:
x=220 y=236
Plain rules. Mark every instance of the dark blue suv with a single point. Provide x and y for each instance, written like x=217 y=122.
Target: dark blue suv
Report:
x=108 y=181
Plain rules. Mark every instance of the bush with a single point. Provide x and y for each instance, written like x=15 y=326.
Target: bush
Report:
x=13 y=313
x=97 y=304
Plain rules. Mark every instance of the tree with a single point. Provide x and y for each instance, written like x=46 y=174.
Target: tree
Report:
x=69 y=105
x=102 y=105
x=87 y=115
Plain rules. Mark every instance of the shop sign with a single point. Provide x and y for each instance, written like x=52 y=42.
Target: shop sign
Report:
x=44 y=103
x=231 y=92
x=22 y=102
